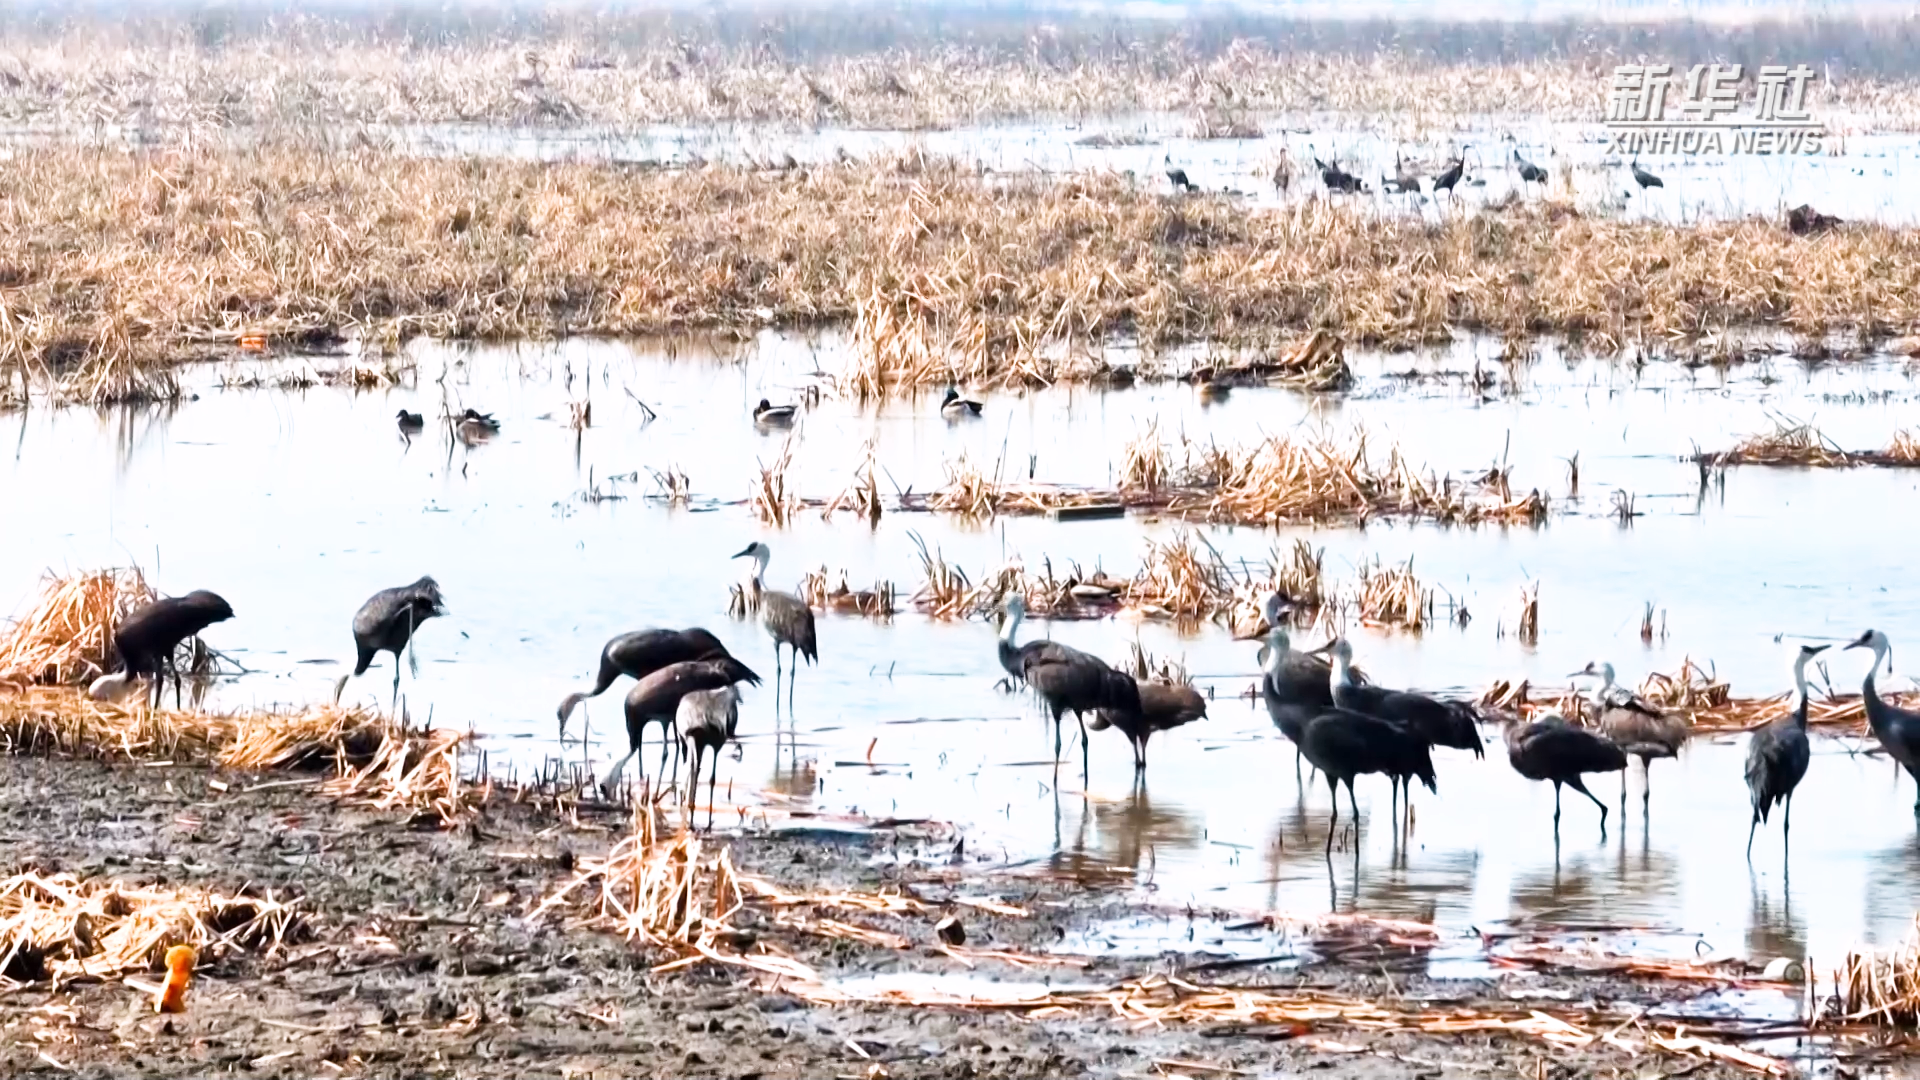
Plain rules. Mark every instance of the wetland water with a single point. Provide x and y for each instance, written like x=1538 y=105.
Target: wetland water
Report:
x=295 y=505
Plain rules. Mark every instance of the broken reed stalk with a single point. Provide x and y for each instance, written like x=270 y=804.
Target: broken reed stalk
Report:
x=772 y=502
x=874 y=603
x=63 y=927
x=1881 y=987
x=66 y=636
x=1393 y=597
x=1529 y=629
x=933 y=266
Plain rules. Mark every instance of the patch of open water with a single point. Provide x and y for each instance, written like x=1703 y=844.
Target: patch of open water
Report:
x=297 y=505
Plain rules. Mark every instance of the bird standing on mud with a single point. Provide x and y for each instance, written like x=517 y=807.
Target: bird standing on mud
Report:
x=385 y=623
x=147 y=639
x=788 y=619
x=1635 y=726
x=656 y=699
x=1163 y=707
x=707 y=720
x=1777 y=756
x=1897 y=729
x=639 y=654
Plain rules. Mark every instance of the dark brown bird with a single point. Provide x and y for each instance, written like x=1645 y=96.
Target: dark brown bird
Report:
x=1553 y=750
x=1344 y=744
x=656 y=699
x=386 y=622
x=1163 y=707
x=1067 y=680
x=639 y=654
x=147 y=639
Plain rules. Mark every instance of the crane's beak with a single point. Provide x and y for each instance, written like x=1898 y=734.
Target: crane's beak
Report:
x=1863 y=641
x=743 y=552
x=1813 y=650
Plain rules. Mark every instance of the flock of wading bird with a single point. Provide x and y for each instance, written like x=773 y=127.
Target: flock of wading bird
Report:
x=1344 y=726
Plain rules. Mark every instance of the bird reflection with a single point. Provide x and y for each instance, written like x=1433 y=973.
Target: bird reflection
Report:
x=793 y=778
x=1126 y=836
x=1771 y=928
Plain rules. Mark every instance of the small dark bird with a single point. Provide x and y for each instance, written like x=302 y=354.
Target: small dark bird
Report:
x=656 y=699
x=1552 y=749
x=1897 y=729
x=1066 y=679
x=1446 y=180
x=1529 y=172
x=1177 y=175
x=1405 y=181
x=1345 y=744
x=1642 y=177
x=1442 y=723
x=386 y=622
x=788 y=619
x=770 y=415
x=1777 y=756
x=1293 y=684
x=639 y=654
x=1337 y=179
x=146 y=641
x=1162 y=708
x=1635 y=726
x=707 y=720
x=411 y=423
x=955 y=407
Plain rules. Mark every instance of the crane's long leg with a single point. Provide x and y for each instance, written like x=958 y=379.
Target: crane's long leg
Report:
x=1352 y=802
x=1556 y=811
x=713 y=782
x=611 y=783
x=395 y=705
x=1296 y=764
x=1580 y=786
x=693 y=787
x=1086 y=755
x=1786 y=823
x=1333 y=789
x=1750 y=829
x=776 y=683
x=793 y=670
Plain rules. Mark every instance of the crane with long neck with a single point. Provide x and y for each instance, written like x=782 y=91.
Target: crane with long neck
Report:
x=1897 y=729
x=1777 y=756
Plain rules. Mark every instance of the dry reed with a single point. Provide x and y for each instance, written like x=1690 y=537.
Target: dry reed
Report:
x=772 y=503
x=1881 y=987
x=122 y=259
x=875 y=603
x=64 y=927
x=66 y=636
x=1393 y=596
x=1799 y=444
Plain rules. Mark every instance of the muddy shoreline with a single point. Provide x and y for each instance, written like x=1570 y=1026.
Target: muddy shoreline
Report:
x=417 y=957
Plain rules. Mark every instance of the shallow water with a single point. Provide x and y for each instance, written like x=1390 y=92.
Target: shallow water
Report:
x=1862 y=174
x=296 y=505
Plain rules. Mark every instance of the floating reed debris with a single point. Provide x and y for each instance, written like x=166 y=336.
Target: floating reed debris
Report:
x=64 y=927
x=874 y=603
x=1181 y=578
x=1393 y=596
x=772 y=503
x=66 y=636
x=1789 y=443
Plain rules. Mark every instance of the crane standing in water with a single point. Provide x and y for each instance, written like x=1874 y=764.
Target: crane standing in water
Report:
x=1553 y=750
x=656 y=699
x=385 y=623
x=1344 y=744
x=788 y=619
x=1635 y=726
x=1163 y=707
x=1435 y=722
x=707 y=720
x=1897 y=729
x=1066 y=679
x=1294 y=685
x=1777 y=756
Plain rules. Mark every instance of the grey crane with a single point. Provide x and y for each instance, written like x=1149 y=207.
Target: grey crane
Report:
x=147 y=638
x=1293 y=684
x=1897 y=729
x=1553 y=750
x=1451 y=177
x=955 y=407
x=789 y=621
x=1163 y=707
x=1635 y=726
x=1642 y=177
x=385 y=623
x=640 y=653
x=767 y=414
x=1405 y=181
x=1777 y=756
x=656 y=699
x=1529 y=172
x=1343 y=745
x=1065 y=678
x=1176 y=175
x=1338 y=179
x=707 y=720
x=1442 y=723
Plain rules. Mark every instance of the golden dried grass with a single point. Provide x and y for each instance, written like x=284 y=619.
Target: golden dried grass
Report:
x=1789 y=443
x=124 y=258
x=63 y=927
x=1393 y=596
x=1707 y=702
x=1881 y=987
x=65 y=636
x=823 y=593
x=771 y=500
